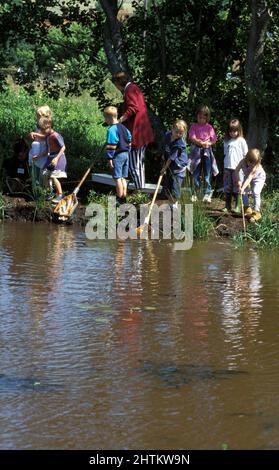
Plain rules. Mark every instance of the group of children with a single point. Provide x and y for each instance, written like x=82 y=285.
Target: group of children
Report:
x=242 y=167
x=243 y=171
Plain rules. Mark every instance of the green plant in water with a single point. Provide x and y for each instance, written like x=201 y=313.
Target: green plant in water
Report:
x=203 y=225
x=239 y=239
x=2 y=206
x=265 y=233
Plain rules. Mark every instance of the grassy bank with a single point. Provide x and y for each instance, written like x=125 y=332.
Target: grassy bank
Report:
x=203 y=226
x=265 y=233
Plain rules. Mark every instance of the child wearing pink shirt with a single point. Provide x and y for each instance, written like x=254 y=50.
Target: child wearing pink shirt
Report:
x=202 y=136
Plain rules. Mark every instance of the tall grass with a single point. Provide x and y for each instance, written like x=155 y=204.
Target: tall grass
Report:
x=265 y=233
x=203 y=227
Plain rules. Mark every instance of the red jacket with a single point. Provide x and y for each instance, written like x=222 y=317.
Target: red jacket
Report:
x=136 y=116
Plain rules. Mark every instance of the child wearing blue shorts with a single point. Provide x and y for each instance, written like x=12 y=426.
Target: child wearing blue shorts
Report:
x=118 y=145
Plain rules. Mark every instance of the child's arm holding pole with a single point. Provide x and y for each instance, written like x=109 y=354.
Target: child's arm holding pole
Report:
x=165 y=167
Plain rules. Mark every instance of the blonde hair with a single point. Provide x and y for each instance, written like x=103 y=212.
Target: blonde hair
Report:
x=253 y=156
x=44 y=111
x=111 y=111
x=180 y=125
x=44 y=123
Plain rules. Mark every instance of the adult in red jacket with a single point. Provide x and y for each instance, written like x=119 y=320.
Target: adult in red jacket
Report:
x=135 y=118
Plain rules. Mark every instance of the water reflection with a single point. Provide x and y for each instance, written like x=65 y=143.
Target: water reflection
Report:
x=241 y=303
x=116 y=344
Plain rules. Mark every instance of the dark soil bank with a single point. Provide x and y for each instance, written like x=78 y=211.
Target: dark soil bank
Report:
x=18 y=209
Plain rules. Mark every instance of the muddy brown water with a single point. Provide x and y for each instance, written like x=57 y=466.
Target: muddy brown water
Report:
x=132 y=345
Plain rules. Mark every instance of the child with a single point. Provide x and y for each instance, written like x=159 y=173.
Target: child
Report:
x=235 y=149
x=55 y=167
x=39 y=147
x=16 y=168
x=176 y=159
x=255 y=176
x=202 y=136
x=118 y=145
x=37 y=160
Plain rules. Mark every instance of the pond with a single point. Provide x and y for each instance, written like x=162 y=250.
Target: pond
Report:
x=133 y=345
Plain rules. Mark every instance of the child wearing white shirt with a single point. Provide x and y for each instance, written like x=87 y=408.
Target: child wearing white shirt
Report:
x=235 y=149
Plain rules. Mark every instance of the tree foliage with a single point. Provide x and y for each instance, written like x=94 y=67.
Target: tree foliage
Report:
x=182 y=53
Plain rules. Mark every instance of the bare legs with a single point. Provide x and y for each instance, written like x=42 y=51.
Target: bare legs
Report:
x=121 y=187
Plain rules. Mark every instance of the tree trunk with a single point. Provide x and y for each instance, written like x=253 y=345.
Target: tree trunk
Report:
x=195 y=74
x=258 y=116
x=162 y=45
x=113 y=43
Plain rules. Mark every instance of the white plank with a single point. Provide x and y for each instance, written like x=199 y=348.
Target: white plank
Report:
x=108 y=180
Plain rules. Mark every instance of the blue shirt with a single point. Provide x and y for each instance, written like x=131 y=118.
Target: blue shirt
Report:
x=175 y=150
x=118 y=140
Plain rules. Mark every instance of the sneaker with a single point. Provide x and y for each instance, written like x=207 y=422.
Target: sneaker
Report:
x=194 y=198
x=58 y=198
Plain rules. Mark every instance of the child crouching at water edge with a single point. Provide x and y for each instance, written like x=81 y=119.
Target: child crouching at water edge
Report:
x=175 y=161
x=254 y=176
x=118 y=144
